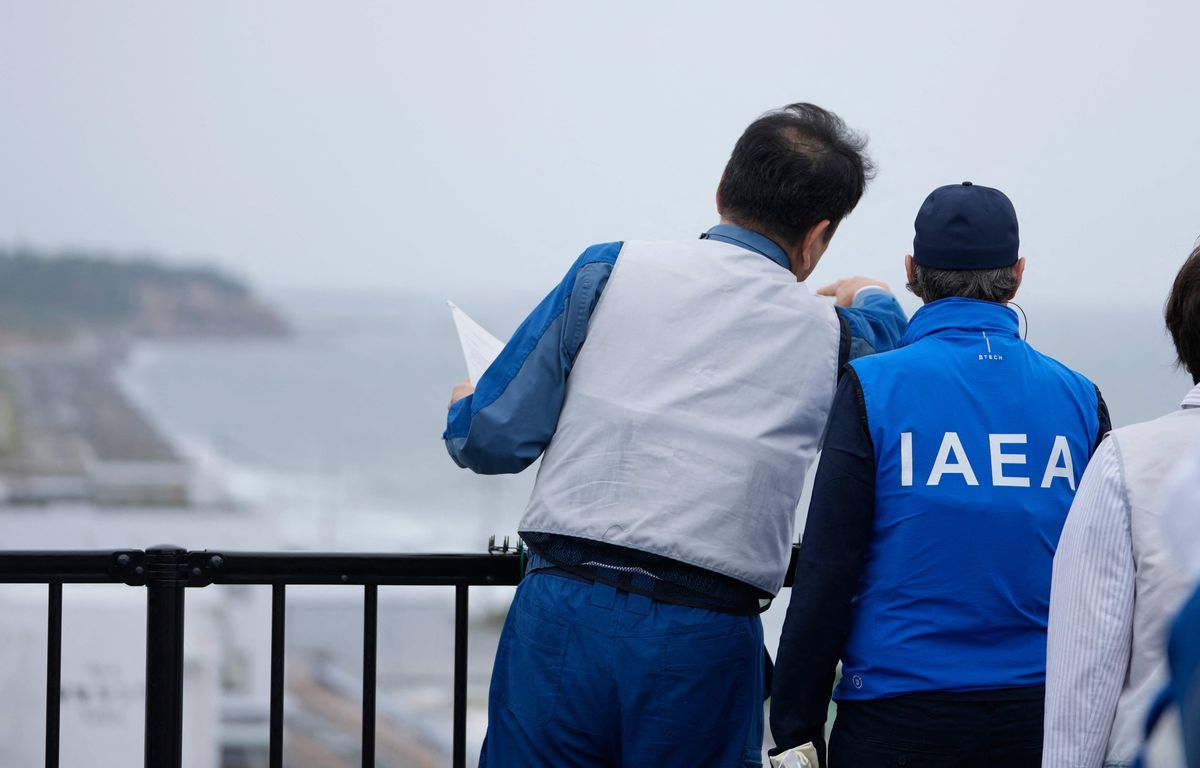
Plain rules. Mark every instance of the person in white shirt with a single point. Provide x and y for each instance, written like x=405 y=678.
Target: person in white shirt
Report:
x=1116 y=584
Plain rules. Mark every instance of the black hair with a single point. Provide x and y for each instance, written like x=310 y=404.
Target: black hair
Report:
x=1182 y=313
x=792 y=168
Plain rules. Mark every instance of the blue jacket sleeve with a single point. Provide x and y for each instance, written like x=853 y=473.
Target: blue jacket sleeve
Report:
x=874 y=324
x=509 y=420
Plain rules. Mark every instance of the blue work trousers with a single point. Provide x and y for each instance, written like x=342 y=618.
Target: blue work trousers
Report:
x=587 y=676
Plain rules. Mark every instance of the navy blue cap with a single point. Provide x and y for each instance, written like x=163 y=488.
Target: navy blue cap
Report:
x=966 y=226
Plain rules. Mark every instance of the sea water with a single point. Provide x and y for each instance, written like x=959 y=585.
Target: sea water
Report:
x=337 y=429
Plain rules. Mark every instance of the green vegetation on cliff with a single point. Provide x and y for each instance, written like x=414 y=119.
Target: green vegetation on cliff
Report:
x=65 y=294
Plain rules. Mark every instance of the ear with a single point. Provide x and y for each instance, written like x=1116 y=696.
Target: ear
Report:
x=1019 y=273
x=805 y=254
x=908 y=268
x=816 y=241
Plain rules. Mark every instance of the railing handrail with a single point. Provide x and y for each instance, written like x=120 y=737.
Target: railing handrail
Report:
x=62 y=566
x=260 y=567
x=237 y=567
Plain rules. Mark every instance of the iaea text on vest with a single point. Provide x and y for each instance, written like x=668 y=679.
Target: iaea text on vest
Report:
x=952 y=459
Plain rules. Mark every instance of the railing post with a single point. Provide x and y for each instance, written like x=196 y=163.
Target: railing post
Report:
x=460 y=676
x=53 y=673
x=370 y=642
x=278 y=647
x=166 y=580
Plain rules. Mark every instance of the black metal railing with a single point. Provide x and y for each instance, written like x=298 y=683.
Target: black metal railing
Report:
x=167 y=572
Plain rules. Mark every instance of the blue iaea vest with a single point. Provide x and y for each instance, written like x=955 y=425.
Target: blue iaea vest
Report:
x=980 y=442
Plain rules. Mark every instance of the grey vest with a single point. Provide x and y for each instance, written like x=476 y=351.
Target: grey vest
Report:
x=1148 y=452
x=693 y=411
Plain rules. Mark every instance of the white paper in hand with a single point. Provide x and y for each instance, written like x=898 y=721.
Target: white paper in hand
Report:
x=479 y=347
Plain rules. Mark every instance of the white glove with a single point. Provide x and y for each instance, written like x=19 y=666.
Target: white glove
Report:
x=804 y=756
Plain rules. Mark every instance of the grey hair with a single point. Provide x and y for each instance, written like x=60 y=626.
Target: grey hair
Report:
x=929 y=284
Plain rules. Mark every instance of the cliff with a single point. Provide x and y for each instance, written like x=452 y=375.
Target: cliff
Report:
x=57 y=296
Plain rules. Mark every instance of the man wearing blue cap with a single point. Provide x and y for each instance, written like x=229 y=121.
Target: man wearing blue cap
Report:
x=948 y=468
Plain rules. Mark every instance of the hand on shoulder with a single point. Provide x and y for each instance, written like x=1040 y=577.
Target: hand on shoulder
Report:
x=844 y=290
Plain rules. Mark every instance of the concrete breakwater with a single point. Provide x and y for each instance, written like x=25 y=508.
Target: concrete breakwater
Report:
x=68 y=434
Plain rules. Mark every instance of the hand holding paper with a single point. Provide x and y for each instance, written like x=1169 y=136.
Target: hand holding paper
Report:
x=461 y=390
x=479 y=347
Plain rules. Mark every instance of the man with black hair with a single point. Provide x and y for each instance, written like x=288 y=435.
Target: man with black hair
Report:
x=947 y=470
x=678 y=391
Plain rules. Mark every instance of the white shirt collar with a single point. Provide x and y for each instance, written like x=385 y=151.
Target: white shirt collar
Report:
x=1192 y=399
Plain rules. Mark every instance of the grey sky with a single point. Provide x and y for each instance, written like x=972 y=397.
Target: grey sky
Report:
x=458 y=146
